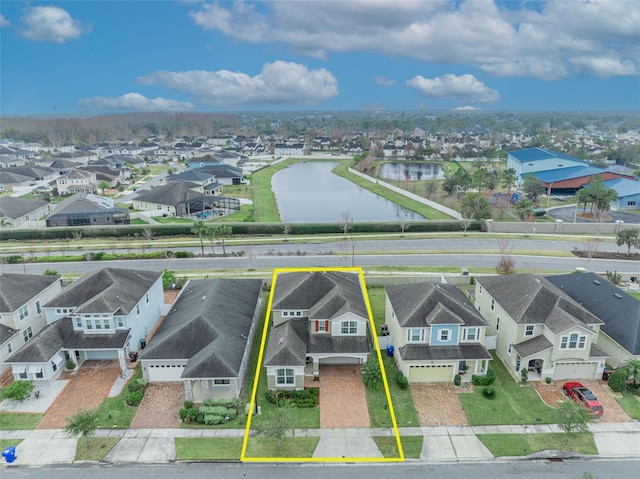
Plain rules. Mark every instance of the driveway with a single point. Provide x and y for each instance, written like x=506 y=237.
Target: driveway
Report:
x=439 y=405
x=343 y=402
x=160 y=406
x=86 y=389
x=552 y=395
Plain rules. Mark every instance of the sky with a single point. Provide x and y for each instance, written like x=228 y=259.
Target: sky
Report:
x=213 y=56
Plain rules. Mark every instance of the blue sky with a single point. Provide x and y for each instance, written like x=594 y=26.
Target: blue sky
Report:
x=123 y=56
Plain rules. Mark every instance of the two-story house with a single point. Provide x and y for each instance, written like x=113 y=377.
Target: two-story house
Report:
x=318 y=317
x=22 y=297
x=76 y=181
x=540 y=328
x=436 y=332
x=103 y=315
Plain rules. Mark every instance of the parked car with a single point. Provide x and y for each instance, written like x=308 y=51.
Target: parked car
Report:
x=583 y=395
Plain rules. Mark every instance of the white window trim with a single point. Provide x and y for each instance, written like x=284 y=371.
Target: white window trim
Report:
x=410 y=335
x=348 y=324
x=285 y=375
x=566 y=339
x=476 y=334
x=529 y=330
x=449 y=335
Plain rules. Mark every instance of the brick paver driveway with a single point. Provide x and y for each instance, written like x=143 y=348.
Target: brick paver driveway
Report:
x=86 y=389
x=438 y=404
x=343 y=402
x=552 y=395
x=160 y=406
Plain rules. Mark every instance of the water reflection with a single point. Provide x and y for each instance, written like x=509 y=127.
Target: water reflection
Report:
x=411 y=171
x=309 y=192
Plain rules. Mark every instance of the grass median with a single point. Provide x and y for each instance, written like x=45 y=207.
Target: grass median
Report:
x=502 y=445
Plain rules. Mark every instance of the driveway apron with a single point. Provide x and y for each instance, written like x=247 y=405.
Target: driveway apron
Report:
x=160 y=406
x=343 y=402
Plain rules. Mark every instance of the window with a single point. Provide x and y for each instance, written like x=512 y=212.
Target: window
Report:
x=106 y=323
x=479 y=289
x=320 y=326
x=528 y=331
x=631 y=203
x=298 y=313
x=27 y=334
x=23 y=374
x=137 y=310
x=146 y=297
x=573 y=341
x=285 y=377
x=58 y=311
x=9 y=348
x=38 y=308
x=78 y=323
x=98 y=324
x=23 y=312
x=89 y=324
x=470 y=334
x=493 y=303
x=54 y=366
x=349 y=327
x=220 y=382
x=39 y=374
x=120 y=322
x=509 y=349
x=444 y=334
x=498 y=324
x=415 y=335
x=285 y=313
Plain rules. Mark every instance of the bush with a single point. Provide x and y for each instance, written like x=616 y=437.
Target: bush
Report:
x=134 y=398
x=618 y=380
x=371 y=373
x=188 y=414
x=547 y=380
x=70 y=365
x=524 y=375
x=484 y=379
x=188 y=404
x=401 y=380
x=457 y=380
x=212 y=419
x=17 y=391
x=489 y=392
x=50 y=272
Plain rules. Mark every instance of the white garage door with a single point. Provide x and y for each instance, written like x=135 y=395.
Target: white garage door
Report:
x=164 y=372
x=575 y=370
x=341 y=360
x=431 y=374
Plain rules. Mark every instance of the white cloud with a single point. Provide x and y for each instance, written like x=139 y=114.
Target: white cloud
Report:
x=604 y=66
x=382 y=81
x=3 y=21
x=137 y=102
x=465 y=108
x=536 y=39
x=462 y=88
x=51 y=24
x=278 y=83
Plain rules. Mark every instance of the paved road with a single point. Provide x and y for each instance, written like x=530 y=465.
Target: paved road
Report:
x=480 y=470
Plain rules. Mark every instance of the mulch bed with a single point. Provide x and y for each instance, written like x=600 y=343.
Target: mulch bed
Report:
x=606 y=255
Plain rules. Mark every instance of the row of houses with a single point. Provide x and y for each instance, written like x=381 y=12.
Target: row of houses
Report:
x=561 y=327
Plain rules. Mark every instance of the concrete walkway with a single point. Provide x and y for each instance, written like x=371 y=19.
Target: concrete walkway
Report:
x=154 y=446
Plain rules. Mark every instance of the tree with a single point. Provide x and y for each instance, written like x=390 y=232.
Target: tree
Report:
x=210 y=231
x=474 y=206
x=223 y=232
x=480 y=177
x=573 y=418
x=199 y=229
x=83 y=424
x=633 y=369
x=103 y=185
x=524 y=207
x=276 y=426
x=372 y=374
x=629 y=237
x=532 y=187
x=346 y=222
x=506 y=264
x=17 y=391
x=618 y=380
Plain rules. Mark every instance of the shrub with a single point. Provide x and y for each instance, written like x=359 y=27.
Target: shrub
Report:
x=137 y=385
x=489 y=392
x=134 y=398
x=457 y=380
x=401 y=380
x=547 y=380
x=618 y=380
x=50 y=272
x=371 y=374
x=524 y=375
x=484 y=379
x=70 y=365
x=17 y=391
x=212 y=419
x=188 y=414
x=188 y=404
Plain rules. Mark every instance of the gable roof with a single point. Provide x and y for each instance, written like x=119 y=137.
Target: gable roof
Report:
x=621 y=315
x=526 y=155
x=6 y=333
x=85 y=203
x=12 y=207
x=623 y=186
x=424 y=304
x=172 y=194
x=530 y=299
x=208 y=325
x=18 y=289
x=570 y=173
x=192 y=175
x=221 y=171
x=108 y=290
x=287 y=345
x=326 y=294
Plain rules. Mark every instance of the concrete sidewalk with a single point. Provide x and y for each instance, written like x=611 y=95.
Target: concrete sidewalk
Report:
x=155 y=446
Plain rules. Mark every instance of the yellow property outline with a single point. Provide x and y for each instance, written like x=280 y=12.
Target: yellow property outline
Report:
x=243 y=457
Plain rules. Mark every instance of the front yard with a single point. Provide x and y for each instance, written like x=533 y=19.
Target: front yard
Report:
x=519 y=445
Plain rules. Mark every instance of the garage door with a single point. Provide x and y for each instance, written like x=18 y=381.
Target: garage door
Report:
x=164 y=372
x=575 y=370
x=431 y=374
x=341 y=360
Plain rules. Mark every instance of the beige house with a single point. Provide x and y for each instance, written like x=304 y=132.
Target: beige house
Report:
x=76 y=181
x=540 y=328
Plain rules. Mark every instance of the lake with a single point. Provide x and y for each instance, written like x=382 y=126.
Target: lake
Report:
x=309 y=192
x=411 y=171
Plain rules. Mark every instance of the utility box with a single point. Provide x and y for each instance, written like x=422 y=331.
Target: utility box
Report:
x=464 y=272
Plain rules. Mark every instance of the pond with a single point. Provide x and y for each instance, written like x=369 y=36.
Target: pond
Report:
x=309 y=192
x=411 y=171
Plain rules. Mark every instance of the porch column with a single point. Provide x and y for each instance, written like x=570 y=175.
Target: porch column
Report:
x=316 y=367
x=205 y=388
x=188 y=390
x=121 y=360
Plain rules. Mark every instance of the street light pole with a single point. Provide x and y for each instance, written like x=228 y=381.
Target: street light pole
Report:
x=527 y=430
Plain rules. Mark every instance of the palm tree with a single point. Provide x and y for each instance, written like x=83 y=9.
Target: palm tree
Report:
x=210 y=231
x=222 y=232
x=199 y=228
x=633 y=368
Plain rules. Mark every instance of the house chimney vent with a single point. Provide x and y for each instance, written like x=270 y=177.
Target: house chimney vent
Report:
x=596 y=282
x=617 y=295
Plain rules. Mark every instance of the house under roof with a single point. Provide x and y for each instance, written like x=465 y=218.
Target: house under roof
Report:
x=527 y=155
x=18 y=289
x=13 y=207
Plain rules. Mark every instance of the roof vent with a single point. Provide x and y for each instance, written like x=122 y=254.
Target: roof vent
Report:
x=617 y=295
x=204 y=297
x=596 y=282
x=281 y=340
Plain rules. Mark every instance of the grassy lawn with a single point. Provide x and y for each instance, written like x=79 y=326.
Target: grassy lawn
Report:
x=635 y=294
x=290 y=447
x=630 y=404
x=98 y=448
x=5 y=443
x=411 y=446
x=421 y=209
x=208 y=448
x=514 y=444
x=264 y=200
x=114 y=412
x=377 y=400
x=15 y=421
x=513 y=404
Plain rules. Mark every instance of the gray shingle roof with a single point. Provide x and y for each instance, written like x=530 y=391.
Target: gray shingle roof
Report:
x=16 y=290
x=208 y=325
x=108 y=290
x=423 y=304
x=287 y=344
x=11 y=207
x=621 y=316
x=7 y=333
x=532 y=346
x=528 y=299
x=443 y=353
x=172 y=194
